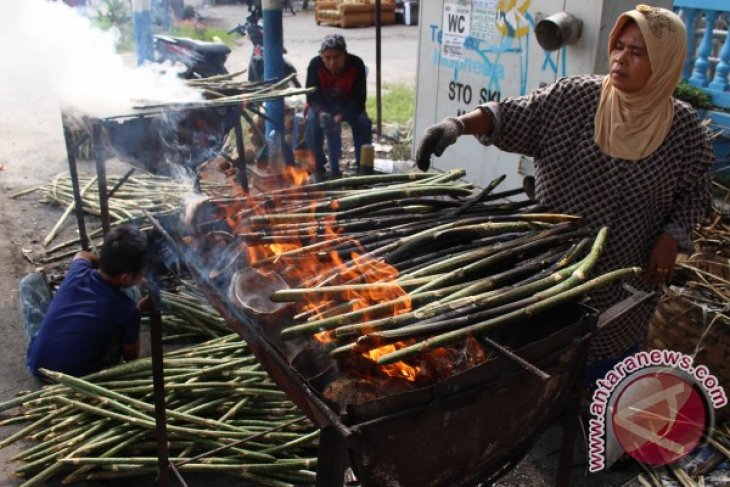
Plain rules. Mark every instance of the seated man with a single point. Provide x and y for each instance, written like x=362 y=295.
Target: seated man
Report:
x=90 y=318
x=340 y=96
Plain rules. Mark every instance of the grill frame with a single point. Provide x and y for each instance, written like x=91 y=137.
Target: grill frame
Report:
x=348 y=439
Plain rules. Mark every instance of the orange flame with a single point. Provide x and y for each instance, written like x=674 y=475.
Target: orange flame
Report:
x=296 y=176
x=399 y=370
x=324 y=337
x=322 y=257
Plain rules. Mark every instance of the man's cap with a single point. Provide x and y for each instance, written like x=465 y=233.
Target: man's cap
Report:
x=333 y=41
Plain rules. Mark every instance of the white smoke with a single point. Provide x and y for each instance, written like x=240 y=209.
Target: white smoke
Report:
x=47 y=48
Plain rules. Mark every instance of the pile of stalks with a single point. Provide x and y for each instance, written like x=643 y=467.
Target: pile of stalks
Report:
x=713 y=237
x=705 y=275
x=131 y=195
x=708 y=466
x=225 y=86
x=226 y=90
x=453 y=262
x=102 y=426
x=186 y=315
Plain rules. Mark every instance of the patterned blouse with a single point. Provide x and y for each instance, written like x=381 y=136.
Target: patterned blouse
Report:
x=666 y=191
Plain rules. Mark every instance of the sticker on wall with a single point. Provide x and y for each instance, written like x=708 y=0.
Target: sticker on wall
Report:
x=483 y=19
x=456 y=28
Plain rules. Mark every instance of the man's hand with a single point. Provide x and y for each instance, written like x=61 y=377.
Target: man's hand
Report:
x=436 y=139
x=328 y=122
x=660 y=267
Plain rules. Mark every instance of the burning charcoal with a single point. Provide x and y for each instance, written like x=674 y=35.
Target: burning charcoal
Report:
x=475 y=353
x=250 y=289
x=445 y=362
x=354 y=390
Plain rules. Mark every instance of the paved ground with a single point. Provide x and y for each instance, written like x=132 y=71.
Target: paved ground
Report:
x=32 y=151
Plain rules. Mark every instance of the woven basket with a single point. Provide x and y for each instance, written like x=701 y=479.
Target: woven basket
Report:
x=682 y=325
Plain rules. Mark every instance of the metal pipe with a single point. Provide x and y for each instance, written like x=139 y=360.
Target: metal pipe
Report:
x=274 y=69
x=121 y=181
x=378 y=59
x=158 y=383
x=99 y=156
x=78 y=202
x=544 y=376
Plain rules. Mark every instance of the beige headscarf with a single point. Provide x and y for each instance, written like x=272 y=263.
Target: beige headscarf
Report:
x=633 y=125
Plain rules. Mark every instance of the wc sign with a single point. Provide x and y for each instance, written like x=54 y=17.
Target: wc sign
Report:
x=456 y=27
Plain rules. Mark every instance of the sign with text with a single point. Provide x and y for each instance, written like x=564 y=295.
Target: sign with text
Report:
x=456 y=28
x=483 y=19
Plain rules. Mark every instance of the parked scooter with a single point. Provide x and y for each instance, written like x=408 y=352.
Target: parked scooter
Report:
x=254 y=29
x=201 y=59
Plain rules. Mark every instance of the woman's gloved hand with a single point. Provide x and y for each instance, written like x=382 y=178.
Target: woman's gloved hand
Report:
x=436 y=139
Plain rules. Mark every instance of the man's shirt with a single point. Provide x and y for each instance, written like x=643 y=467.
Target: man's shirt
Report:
x=86 y=316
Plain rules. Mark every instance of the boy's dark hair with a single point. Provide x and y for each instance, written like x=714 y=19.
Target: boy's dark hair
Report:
x=124 y=250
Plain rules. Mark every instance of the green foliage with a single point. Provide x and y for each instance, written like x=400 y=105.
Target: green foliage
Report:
x=198 y=31
x=398 y=103
x=114 y=15
x=692 y=95
x=113 y=12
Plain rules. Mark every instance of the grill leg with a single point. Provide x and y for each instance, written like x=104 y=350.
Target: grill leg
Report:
x=332 y=458
x=78 y=200
x=570 y=432
x=99 y=158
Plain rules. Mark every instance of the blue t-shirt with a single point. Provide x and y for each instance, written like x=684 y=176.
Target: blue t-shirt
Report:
x=86 y=314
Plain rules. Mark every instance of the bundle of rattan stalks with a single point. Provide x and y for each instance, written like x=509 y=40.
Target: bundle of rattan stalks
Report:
x=693 y=316
x=224 y=415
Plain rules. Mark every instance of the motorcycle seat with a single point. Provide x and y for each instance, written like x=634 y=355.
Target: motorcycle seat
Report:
x=203 y=46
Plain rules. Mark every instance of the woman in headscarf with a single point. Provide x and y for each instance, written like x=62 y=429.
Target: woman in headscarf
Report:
x=617 y=149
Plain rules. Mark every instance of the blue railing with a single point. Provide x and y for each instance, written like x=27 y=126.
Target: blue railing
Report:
x=708 y=47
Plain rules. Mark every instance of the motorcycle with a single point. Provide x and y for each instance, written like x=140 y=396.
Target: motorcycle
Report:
x=254 y=30
x=204 y=59
x=201 y=59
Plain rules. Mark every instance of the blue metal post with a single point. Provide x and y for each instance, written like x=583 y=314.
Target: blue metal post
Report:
x=274 y=69
x=142 y=17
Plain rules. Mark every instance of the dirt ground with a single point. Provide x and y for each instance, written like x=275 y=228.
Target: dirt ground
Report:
x=32 y=151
